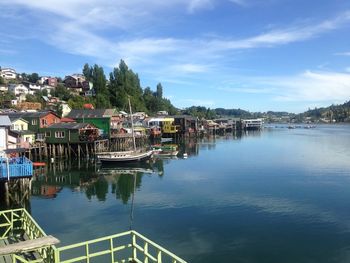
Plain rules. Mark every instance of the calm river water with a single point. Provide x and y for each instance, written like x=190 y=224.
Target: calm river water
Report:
x=279 y=195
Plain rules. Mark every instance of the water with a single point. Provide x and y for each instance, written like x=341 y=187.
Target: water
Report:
x=282 y=195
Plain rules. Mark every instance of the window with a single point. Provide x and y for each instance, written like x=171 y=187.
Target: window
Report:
x=59 y=134
x=48 y=134
x=43 y=122
x=34 y=122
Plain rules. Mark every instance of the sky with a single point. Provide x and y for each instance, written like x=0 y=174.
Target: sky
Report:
x=257 y=55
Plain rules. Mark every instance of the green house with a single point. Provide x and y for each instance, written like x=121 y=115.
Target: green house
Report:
x=101 y=118
x=70 y=132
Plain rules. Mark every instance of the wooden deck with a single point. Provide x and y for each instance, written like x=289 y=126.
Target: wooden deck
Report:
x=6 y=258
x=12 y=241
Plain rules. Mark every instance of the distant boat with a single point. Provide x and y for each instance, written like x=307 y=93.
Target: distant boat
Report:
x=165 y=150
x=125 y=156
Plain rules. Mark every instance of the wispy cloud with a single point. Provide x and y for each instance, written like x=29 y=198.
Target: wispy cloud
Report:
x=247 y=90
x=189 y=102
x=343 y=54
x=77 y=25
x=309 y=86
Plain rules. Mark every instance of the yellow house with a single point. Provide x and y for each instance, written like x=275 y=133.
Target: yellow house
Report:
x=168 y=125
x=18 y=124
x=19 y=127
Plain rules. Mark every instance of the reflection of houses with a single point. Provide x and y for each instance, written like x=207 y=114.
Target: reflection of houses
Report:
x=70 y=132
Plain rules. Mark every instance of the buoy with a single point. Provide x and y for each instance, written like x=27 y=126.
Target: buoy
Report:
x=52 y=160
x=38 y=164
x=185 y=155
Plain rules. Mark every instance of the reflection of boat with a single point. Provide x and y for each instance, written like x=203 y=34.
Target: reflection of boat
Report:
x=126 y=168
x=165 y=150
x=126 y=156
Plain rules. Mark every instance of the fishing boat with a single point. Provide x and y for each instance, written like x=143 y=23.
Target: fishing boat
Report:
x=126 y=156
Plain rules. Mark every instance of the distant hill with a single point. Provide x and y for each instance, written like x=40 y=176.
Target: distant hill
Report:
x=333 y=113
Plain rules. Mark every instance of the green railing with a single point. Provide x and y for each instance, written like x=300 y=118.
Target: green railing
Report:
x=18 y=224
x=128 y=246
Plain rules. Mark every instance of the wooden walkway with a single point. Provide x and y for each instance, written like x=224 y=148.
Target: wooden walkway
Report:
x=14 y=240
x=6 y=258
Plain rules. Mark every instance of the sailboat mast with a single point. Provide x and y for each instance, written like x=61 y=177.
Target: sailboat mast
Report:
x=132 y=126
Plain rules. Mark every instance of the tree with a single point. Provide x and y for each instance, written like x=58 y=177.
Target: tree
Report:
x=33 y=78
x=102 y=101
x=61 y=92
x=159 y=93
x=2 y=81
x=87 y=72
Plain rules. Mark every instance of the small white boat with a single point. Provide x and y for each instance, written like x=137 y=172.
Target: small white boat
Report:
x=125 y=156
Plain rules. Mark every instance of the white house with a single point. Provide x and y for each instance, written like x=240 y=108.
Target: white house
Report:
x=18 y=89
x=8 y=73
x=4 y=88
x=5 y=125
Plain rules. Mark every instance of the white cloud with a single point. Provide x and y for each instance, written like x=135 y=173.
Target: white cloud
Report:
x=309 y=86
x=347 y=69
x=239 y=2
x=343 y=54
x=190 y=68
x=194 y=5
x=248 y=90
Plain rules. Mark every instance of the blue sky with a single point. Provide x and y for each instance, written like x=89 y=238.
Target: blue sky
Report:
x=258 y=55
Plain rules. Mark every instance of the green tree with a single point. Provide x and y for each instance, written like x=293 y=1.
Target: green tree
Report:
x=159 y=92
x=102 y=101
x=87 y=72
x=33 y=78
x=2 y=81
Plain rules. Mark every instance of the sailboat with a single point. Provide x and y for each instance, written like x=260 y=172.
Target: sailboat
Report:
x=125 y=156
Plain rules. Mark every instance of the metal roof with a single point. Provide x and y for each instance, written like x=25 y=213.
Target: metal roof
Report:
x=5 y=120
x=95 y=113
x=70 y=125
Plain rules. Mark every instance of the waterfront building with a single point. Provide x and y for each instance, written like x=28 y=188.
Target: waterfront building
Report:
x=37 y=121
x=70 y=132
x=252 y=124
x=186 y=124
x=103 y=119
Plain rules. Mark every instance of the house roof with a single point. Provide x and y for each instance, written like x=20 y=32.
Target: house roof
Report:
x=36 y=114
x=96 y=113
x=70 y=125
x=5 y=120
x=67 y=120
x=24 y=132
x=15 y=118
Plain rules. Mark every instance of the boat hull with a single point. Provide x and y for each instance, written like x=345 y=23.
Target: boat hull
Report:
x=119 y=157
